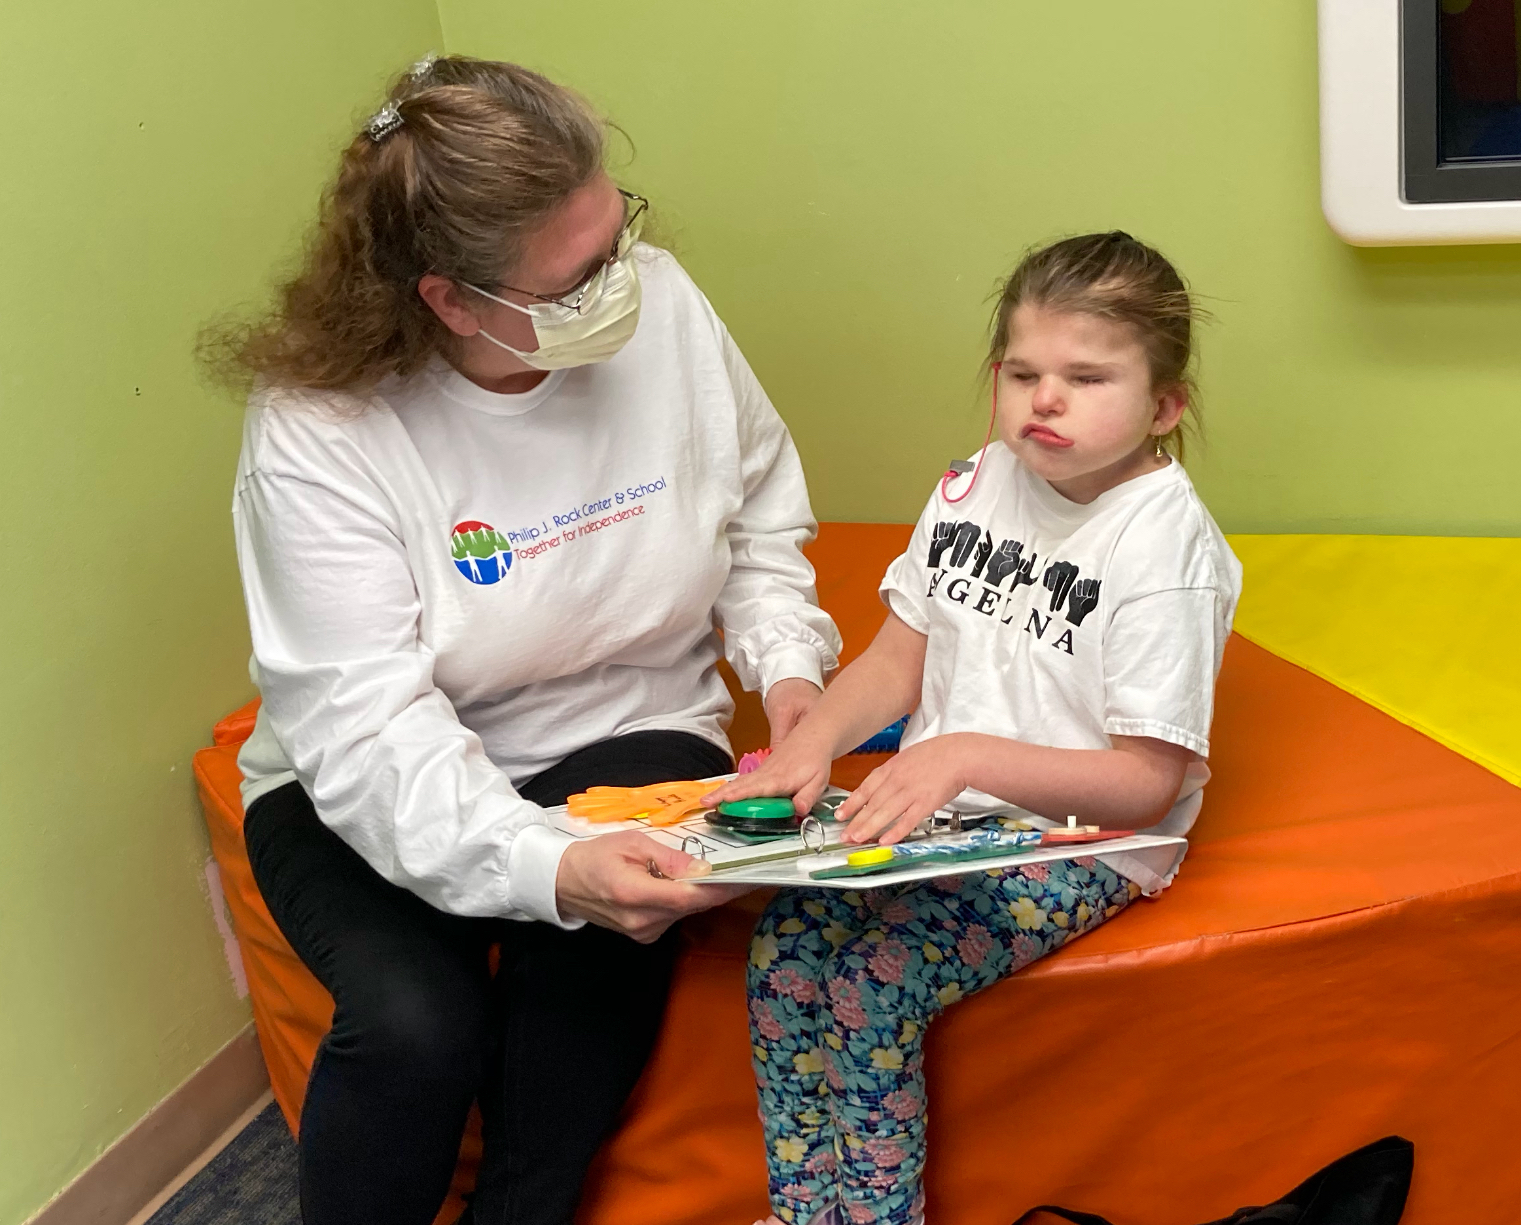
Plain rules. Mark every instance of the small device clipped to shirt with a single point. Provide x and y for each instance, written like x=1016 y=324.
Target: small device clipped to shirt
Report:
x=960 y=467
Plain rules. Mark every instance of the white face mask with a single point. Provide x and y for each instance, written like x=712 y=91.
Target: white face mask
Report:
x=606 y=320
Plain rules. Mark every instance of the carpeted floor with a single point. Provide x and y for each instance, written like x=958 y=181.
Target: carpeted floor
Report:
x=250 y=1182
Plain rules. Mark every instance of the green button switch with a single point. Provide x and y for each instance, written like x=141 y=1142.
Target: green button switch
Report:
x=761 y=807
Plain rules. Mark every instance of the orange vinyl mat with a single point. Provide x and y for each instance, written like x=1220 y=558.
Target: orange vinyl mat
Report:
x=1330 y=967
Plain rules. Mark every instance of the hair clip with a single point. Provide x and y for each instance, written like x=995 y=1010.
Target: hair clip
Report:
x=423 y=66
x=385 y=121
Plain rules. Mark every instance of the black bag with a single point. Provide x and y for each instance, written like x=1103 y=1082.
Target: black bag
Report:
x=1367 y=1187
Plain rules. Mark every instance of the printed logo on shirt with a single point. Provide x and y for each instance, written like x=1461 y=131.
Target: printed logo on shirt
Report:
x=480 y=552
x=966 y=546
x=575 y=523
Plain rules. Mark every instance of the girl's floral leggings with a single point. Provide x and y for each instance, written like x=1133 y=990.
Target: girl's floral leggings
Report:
x=842 y=986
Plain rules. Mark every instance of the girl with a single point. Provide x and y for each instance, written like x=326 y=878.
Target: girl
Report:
x=1055 y=627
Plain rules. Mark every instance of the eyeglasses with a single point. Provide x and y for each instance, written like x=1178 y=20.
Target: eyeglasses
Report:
x=589 y=289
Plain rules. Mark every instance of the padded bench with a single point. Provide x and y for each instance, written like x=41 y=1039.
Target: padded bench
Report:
x=1337 y=961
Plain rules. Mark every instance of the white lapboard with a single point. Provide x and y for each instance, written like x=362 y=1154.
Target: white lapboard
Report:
x=789 y=861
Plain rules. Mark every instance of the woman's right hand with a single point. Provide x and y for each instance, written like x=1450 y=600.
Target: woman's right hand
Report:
x=798 y=767
x=607 y=881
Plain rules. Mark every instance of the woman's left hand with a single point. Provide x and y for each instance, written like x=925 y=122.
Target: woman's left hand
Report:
x=787 y=702
x=898 y=795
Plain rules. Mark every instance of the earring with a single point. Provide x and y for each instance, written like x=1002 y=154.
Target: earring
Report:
x=1157 y=442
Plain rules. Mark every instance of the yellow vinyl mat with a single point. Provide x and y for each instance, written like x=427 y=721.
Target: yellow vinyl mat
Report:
x=1426 y=628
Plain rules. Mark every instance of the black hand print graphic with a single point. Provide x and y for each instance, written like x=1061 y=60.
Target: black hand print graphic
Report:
x=980 y=558
x=1024 y=573
x=1082 y=600
x=967 y=536
x=941 y=541
x=1058 y=580
x=1004 y=562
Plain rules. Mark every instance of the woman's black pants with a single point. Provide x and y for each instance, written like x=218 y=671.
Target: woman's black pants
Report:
x=551 y=1046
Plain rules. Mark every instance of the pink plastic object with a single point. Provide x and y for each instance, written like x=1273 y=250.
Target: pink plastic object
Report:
x=750 y=762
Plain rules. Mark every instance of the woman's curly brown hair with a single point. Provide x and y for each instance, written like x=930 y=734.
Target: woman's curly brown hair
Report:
x=484 y=153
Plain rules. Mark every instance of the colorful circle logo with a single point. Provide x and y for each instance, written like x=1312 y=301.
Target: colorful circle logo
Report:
x=480 y=552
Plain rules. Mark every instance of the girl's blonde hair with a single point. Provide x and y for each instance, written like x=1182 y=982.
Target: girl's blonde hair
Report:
x=1116 y=277
x=475 y=156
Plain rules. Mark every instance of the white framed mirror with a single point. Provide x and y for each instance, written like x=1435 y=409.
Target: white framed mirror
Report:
x=1420 y=120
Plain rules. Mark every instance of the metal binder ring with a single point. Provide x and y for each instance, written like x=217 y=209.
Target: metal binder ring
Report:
x=702 y=847
x=811 y=831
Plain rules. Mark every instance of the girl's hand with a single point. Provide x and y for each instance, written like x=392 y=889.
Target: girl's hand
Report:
x=897 y=796
x=799 y=768
x=787 y=702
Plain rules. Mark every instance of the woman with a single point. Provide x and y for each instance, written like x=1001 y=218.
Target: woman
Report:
x=504 y=476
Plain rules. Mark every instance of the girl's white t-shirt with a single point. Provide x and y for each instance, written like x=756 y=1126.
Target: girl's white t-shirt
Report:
x=450 y=590
x=1062 y=624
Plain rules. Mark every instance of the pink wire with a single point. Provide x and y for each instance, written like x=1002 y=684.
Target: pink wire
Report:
x=992 y=421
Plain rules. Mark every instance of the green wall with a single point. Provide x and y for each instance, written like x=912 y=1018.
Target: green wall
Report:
x=847 y=179
x=159 y=159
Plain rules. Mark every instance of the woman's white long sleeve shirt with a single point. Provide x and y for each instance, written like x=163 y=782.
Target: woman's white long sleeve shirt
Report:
x=450 y=590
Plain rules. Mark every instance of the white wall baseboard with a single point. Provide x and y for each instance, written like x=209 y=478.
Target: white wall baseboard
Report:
x=168 y=1143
